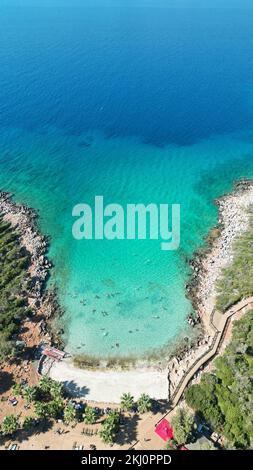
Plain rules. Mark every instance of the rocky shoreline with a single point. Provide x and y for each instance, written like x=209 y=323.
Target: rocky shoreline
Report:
x=207 y=263
x=42 y=302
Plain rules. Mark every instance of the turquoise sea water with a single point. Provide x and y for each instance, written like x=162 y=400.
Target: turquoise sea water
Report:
x=147 y=104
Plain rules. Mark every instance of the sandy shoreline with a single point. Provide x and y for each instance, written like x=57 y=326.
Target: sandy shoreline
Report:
x=108 y=385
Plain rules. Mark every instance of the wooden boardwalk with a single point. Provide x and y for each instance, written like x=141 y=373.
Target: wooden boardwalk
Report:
x=218 y=322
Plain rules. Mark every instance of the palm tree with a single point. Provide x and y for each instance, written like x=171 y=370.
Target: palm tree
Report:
x=110 y=427
x=55 y=408
x=144 y=403
x=56 y=389
x=69 y=413
x=29 y=394
x=89 y=415
x=17 y=389
x=107 y=434
x=51 y=387
x=45 y=384
x=41 y=409
x=10 y=424
x=113 y=418
x=127 y=402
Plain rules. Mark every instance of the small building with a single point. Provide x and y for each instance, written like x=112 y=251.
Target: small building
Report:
x=202 y=443
x=53 y=353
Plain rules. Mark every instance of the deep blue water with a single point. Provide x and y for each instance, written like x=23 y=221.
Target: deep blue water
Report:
x=139 y=101
x=166 y=75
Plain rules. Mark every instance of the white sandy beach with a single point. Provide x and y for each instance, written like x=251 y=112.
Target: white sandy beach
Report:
x=108 y=386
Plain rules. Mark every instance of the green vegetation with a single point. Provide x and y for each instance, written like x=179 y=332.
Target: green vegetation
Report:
x=90 y=415
x=47 y=397
x=41 y=410
x=9 y=425
x=70 y=414
x=236 y=281
x=48 y=403
x=17 y=389
x=110 y=427
x=224 y=399
x=144 y=403
x=86 y=361
x=127 y=402
x=46 y=400
x=13 y=283
x=183 y=426
x=29 y=394
x=48 y=386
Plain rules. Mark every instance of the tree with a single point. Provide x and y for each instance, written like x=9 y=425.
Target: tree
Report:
x=113 y=418
x=107 y=434
x=89 y=415
x=41 y=409
x=10 y=424
x=13 y=292
x=183 y=426
x=45 y=384
x=110 y=427
x=127 y=402
x=56 y=389
x=7 y=347
x=55 y=408
x=51 y=388
x=51 y=409
x=17 y=389
x=69 y=413
x=203 y=399
x=29 y=394
x=224 y=398
x=144 y=403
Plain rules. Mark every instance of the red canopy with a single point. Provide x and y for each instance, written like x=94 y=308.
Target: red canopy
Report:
x=164 y=430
